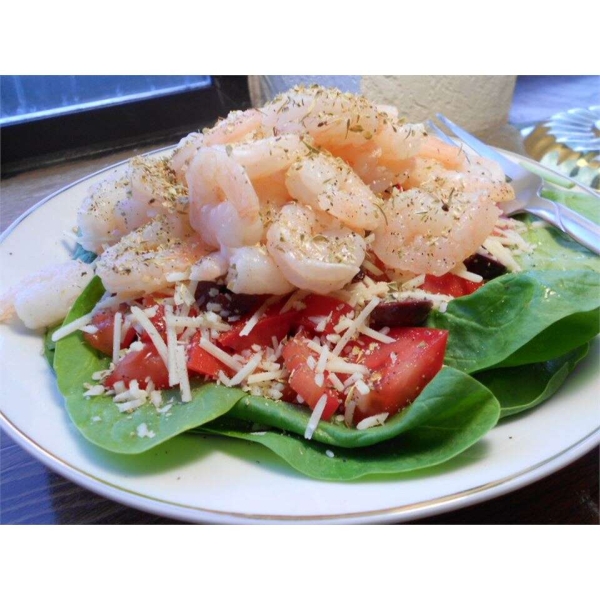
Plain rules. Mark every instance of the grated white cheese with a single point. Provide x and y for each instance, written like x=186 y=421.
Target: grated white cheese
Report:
x=247 y=370
x=362 y=387
x=69 y=328
x=151 y=330
x=230 y=361
x=415 y=282
x=372 y=421
x=323 y=356
x=95 y=390
x=356 y=323
x=156 y=398
x=501 y=254
x=184 y=380
x=89 y=329
x=461 y=271
x=175 y=276
x=131 y=405
x=143 y=431
x=266 y=376
x=165 y=409
x=249 y=326
x=117 y=337
x=295 y=297
x=376 y=335
x=374 y=269
x=339 y=365
x=337 y=383
x=174 y=376
x=315 y=417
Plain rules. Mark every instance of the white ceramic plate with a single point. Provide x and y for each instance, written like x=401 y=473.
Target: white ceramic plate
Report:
x=194 y=478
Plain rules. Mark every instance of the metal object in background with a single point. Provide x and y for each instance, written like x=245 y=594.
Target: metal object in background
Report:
x=569 y=143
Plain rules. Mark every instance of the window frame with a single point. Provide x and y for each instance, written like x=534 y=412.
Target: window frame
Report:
x=41 y=142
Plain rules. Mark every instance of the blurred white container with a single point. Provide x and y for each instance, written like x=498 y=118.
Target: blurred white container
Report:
x=480 y=103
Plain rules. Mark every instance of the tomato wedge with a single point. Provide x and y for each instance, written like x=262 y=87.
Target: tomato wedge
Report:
x=203 y=363
x=401 y=369
x=102 y=340
x=317 y=307
x=450 y=285
x=302 y=377
x=272 y=324
x=140 y=364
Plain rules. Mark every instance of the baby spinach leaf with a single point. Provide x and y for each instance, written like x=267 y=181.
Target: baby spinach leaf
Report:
x=98 y=417
x=450 y=395
x=424 y=442
x=507 y=313
x=521 y=388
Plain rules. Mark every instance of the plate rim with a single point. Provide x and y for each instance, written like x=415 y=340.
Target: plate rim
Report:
x=182 y=512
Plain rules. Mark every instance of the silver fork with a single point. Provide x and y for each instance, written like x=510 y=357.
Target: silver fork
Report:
x=527 y=188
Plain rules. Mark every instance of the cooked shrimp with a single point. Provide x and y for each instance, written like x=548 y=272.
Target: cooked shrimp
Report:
x=312 y=251
x=141 y=261
x=253 y=271
x=328 y=184
x=331 y=117
x=238 y=125
x=224 y=208
x=99 y=219
x=382 y=162
x=432 y=230
x=45 y=298
x=449 y=167
x=476 y=176
x=154 y=187
x=119 y=205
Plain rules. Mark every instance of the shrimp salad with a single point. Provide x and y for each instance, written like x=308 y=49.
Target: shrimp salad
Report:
x=294 y=253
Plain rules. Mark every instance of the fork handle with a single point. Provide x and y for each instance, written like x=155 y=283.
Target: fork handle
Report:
x=586 y=232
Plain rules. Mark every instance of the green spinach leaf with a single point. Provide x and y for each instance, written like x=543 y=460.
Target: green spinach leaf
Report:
x=521 y=388
x=451 y=394
x=424 y=443
x=499 y=319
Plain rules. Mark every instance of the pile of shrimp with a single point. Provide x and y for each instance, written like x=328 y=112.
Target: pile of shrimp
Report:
x=295 y=195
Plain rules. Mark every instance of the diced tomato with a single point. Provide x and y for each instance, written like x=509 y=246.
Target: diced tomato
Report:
x=401 y=369
x=272 y=324
x=450 y=284
x=322 y=306
x=158 y=320
x=140 y=365
x=200 y=361
x=102 y=340
x=302 y=377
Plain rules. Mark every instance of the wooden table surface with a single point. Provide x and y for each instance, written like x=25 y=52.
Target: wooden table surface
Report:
x=32 y=493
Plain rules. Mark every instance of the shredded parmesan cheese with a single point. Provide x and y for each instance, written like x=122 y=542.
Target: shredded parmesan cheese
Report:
x=372 y=421
x=315 y=417
x=69 y=328
x=117 y=337
x=151 y=330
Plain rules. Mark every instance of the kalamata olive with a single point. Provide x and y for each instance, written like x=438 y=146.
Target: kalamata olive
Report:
x=234 y=304
x=241 y=304
x=203 y=292
x=485 y=266
x=404 y=313
x=359 y=276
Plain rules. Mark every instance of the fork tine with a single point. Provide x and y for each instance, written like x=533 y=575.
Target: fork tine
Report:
x=511 y=169
x=440 y=133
